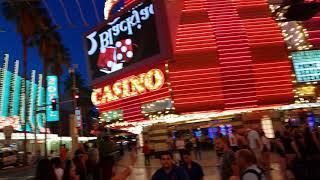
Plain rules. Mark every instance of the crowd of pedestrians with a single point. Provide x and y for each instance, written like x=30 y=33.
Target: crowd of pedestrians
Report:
x=94 y=163
x=243 y=154
x=246 y=154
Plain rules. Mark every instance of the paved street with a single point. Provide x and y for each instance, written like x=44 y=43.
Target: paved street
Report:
x=20 y=173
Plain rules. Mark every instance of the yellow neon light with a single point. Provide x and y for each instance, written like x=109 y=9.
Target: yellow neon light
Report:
x=134 y=85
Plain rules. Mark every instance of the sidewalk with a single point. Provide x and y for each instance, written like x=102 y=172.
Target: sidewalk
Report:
x=208 y=162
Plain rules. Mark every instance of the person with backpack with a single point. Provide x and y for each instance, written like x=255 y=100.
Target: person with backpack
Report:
x=247 y=163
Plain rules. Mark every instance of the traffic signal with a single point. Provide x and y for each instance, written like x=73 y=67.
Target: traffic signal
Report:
x=76 y=93
x=54 y=104
x=76 y=99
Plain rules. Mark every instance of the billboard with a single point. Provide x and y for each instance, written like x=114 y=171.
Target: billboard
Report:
x=307 y=65
x=52 y=93
x=123 y=40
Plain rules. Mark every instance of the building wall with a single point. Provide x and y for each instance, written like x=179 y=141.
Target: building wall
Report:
x=229 y=55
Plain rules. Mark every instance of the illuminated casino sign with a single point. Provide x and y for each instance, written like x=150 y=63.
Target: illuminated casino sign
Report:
x=307 y=65
x=131 y=86
x=123 y=40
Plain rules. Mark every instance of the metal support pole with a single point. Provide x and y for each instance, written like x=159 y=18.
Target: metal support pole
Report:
x=74 y=88
x=35 y=132
x=45 y=139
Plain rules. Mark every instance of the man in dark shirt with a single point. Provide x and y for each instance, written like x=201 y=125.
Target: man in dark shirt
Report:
x=169 y=171
x=193 y=169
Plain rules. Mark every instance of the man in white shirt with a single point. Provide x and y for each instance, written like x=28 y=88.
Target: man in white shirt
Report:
x=247 y=163
x=233 y=141
x=255 y=143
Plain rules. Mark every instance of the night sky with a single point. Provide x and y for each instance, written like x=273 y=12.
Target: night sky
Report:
x=10 y=41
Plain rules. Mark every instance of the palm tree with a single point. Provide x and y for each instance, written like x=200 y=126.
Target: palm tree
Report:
x=25 y=19
x=35 y=27
x=54 y=54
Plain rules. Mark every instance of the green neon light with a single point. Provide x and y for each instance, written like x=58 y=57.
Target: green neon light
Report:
x=16 y=99
x=6 y=93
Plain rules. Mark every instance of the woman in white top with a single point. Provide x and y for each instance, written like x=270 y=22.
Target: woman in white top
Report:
x=57 y=167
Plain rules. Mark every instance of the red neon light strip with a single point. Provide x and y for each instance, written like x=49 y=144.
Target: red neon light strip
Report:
x=272 y=82
x=242 y=102
x=200 y=40
x=196 y=97
x=186 y=80
x=188 y=45
x=187 y=50
x=191 y=10
x=195 y=94
x=267 y=92
x=273 y=64
x=194 y=70
x=195 y=33
x=195 y=84
x=192 y=75
x=274 y=94
x=195 y=102
x=195 y=26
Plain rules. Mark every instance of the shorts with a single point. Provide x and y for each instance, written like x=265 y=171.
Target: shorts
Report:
x=257 y=153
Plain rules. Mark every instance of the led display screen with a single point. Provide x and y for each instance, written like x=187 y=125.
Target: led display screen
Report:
x=123 y=40
x=307 y=65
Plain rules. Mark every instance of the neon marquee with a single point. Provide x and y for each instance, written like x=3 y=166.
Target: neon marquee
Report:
x=134 y=85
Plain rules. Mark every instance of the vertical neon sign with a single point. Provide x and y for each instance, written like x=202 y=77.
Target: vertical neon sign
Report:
x=52 y=93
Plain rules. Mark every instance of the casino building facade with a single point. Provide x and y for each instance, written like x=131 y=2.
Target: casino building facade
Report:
x=189 y=60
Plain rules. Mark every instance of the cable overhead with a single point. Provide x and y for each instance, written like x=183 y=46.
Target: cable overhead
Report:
x=66 y=13
x=95 y=10
x=49 y=12
x=81 y=14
